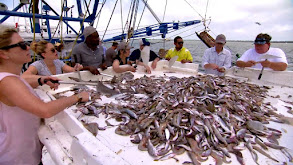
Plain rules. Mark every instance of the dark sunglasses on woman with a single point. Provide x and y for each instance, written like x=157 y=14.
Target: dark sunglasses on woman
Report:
x=23 y=45
x=53 y=50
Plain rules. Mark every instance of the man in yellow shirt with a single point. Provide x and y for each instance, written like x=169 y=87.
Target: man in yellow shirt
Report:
x=183 y=54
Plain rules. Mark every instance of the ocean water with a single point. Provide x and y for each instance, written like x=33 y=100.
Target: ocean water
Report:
x=197 y=48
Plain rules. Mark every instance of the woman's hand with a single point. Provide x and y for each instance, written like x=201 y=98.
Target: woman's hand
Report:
x=148 y=69
x=85 y=96
x=131 y=68
x=154 y=64
x=78 y=67
x=52 y=82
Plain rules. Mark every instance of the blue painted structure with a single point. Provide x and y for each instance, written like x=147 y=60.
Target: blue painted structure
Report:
x=152 y=30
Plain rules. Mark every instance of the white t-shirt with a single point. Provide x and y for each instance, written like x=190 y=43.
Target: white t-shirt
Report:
x=252 y=55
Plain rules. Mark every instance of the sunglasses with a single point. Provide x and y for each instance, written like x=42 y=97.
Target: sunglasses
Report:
x=180 y=42
x=22 y=45
x=53 y=50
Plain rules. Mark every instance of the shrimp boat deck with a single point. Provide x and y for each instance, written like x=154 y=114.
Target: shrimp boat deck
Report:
x=69 y=142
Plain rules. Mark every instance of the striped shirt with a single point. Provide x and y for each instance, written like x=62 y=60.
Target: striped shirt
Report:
x=44 y=70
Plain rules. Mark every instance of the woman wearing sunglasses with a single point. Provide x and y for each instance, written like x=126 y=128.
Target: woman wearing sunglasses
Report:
x=20 y=107
x=50 y=64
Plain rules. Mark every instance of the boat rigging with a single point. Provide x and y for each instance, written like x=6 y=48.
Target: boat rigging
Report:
x=129 y=30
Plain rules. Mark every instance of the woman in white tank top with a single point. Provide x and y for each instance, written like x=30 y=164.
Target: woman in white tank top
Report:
x=20 y=107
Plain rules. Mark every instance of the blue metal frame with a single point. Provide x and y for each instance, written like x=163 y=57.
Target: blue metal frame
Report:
x=157 y=29
x=7 y=16
x=65 y=19
x=153 y=30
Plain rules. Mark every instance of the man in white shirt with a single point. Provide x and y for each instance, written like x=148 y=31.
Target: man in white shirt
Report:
x=217 y=59
x=253 y=57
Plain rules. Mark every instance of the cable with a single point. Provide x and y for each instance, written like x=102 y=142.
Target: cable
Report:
x=60 y=20
x=140 y=19
x=78 y=32
x=193 y=9
x=165 y=11
x=110 y=19
x=121 y=16
x=99 y=13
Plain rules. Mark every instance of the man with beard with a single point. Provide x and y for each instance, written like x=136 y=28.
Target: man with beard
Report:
x=89 y=53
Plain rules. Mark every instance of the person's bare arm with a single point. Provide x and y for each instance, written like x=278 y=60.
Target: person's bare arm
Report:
x=211 y=66
x=33 y=80
x=154 y=63
x=276 y=66
x=244 y=64
x=92 y=69
x=11 y=89
x=67 y=68
x=31 y=70
x=148 y=69
x=118 y=69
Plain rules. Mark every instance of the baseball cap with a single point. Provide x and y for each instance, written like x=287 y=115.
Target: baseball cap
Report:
x=88 y=31
x=260 y=41
x=144 y=42
x=123 y=45
x=221 y=39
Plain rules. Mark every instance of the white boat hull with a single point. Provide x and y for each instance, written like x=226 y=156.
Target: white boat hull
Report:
x=69 y=142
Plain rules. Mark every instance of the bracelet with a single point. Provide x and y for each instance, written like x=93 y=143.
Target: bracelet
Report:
x=39 y=81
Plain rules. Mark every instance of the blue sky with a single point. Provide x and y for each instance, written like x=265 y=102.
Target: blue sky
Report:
x=236 y=19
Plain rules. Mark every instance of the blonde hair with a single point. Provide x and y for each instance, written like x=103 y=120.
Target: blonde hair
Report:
x=39 y=47
x=6 y=33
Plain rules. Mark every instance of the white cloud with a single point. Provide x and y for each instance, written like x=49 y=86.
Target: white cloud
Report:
x=236 y=19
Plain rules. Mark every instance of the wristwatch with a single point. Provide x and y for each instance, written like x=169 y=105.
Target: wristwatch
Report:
x=79 y=98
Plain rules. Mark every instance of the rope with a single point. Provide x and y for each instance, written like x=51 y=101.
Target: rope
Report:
x=61 y=19
x=164 y=43
x=86 y=8
x=165 y=11
x=206 y=10
x=131 y=16
x=78 y=32
x=99 y=13
x=25 y=21
x=134 y=19
x=140 y=19
x=121 y=16
x=110 y=19
x=185 y=31
x=123 y=28
x=193 y=9
x=34 y=23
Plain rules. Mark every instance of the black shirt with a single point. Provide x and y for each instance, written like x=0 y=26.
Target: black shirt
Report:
x=120 y=61
x=135 y=55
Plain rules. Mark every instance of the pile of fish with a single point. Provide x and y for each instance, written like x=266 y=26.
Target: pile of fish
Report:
x=204 y=116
